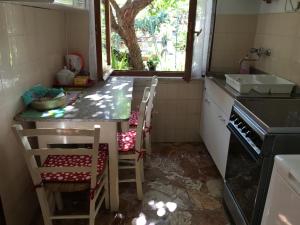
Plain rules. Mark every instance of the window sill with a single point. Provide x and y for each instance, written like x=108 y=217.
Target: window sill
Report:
x=134 y=73
x=48 y=5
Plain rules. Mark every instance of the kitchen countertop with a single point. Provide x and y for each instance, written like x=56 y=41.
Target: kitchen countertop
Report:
x=220 y=80
x=106 y=101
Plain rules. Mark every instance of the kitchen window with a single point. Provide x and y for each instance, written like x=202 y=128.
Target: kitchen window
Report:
x=145 y=37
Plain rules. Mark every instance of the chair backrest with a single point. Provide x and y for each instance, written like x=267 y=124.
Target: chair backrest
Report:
x=143 y=110
x=154 y=83
x=30 y=154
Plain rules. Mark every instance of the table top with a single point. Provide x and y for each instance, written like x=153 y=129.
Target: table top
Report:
x=106 y=101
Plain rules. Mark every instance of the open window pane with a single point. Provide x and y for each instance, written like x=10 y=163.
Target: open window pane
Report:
x=103 y=34
x=103 y=38
x=149 y=36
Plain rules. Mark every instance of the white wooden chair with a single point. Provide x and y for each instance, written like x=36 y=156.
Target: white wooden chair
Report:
x=133 y=121
x=150 y=105
x=131 y=147
x=66 y=170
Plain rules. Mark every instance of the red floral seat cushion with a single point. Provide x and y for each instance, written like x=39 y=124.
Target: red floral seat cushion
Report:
x=126 y=141
x=133 y=120
x=73 y=161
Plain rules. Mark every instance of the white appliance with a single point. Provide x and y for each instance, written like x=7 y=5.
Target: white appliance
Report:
x=283 y=200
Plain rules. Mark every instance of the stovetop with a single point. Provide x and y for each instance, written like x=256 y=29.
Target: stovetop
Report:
x=272 y=115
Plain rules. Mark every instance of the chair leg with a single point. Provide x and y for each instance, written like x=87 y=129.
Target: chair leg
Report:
x=42 y=197
x=58 y=201
x=138 y=180
x=92 y=212
x=148 y=142
x=125 y=126
x=142 y=169
x=92 y=221
x=106 y=189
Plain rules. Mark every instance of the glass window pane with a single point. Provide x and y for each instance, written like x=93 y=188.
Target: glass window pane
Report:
x=103 y=35
x=157 y=40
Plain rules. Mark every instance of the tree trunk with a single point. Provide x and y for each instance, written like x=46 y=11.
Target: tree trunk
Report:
x=126 y=30
x=134 y=49
x=122 y=22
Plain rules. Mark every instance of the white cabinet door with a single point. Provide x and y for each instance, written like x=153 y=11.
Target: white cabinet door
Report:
x=207 y=124
x=214 y=132
x=222 y=136
x=220 y=97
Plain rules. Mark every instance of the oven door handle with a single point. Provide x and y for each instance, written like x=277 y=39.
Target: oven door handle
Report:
x=254 y=154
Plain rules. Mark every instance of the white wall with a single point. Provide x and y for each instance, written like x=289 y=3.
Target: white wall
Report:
x=32 y=45
x=277 y=6
x=238 y=6
x=252 y=6
x=177 y=109
x=77 y=28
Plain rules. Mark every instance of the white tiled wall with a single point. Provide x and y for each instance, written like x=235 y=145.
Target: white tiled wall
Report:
x=233 y=38
x=270 y=27
x=281 y=33
x=32 y=45
x=176 y=114
x=77 y=28
x=240 y=7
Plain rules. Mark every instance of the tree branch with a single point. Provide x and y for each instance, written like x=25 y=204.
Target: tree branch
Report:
x=127 y=4
x=115 y=5
x=139 y=5
x=130 y=9
x=114 y=24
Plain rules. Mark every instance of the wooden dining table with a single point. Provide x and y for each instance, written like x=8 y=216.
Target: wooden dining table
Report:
x=106 y=104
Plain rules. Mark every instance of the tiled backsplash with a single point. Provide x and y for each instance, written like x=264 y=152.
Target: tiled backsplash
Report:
x=176 y=114
x=270 y=27
x=281 y=33
x=233 y=37
x=32 y=45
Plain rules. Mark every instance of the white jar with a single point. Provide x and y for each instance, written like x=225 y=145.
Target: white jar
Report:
x=65 y=77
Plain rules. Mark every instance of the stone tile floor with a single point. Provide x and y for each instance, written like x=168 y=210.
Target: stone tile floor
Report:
x=182 y=187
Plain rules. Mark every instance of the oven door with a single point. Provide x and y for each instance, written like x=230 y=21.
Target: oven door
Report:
x=243 y=170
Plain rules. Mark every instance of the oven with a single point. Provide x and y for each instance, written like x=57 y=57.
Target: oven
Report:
x=246 y=165
x=259 y=130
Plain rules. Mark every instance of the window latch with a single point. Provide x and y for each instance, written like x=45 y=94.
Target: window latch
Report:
x=198 y=32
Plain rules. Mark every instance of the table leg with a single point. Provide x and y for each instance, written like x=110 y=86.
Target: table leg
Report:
x=113 y=169
x=124 y=126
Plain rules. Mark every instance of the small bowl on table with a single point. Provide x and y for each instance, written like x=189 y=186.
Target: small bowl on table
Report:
x=48 y=103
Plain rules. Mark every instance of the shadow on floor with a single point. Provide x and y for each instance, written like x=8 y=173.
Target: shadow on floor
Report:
x=182 y=187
